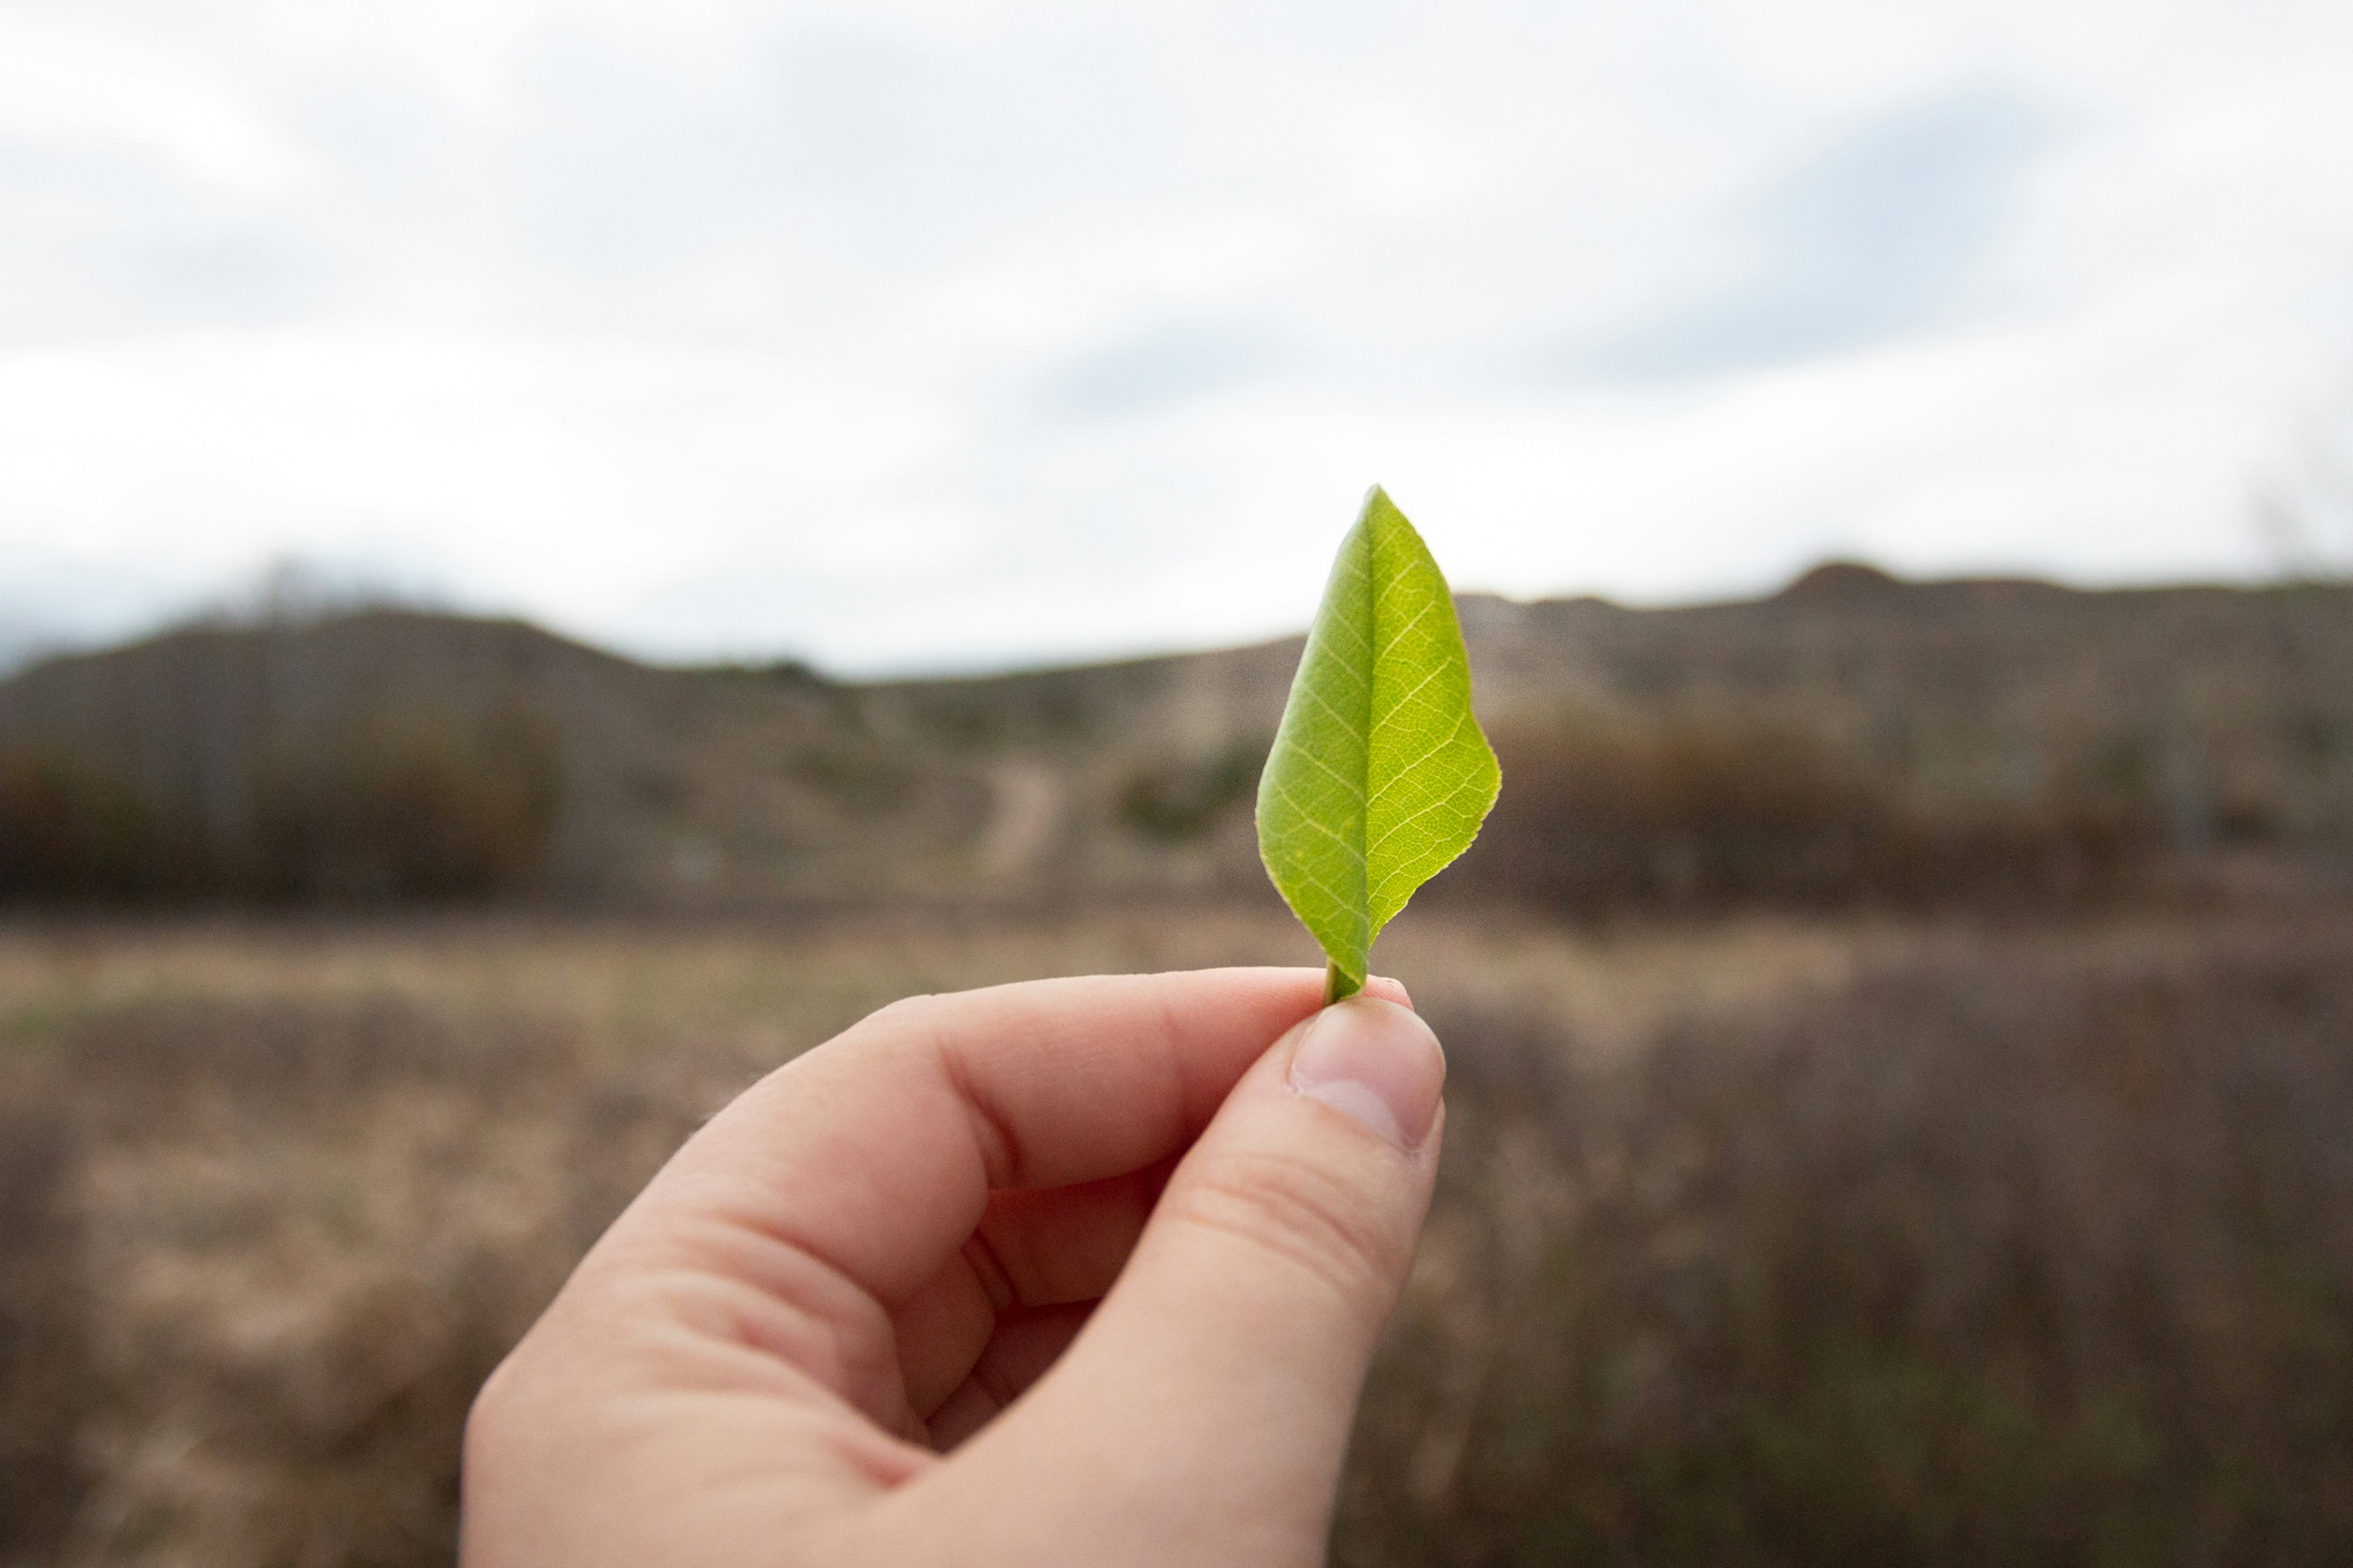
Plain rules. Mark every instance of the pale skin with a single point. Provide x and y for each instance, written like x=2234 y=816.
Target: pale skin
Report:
x=1070 y=1272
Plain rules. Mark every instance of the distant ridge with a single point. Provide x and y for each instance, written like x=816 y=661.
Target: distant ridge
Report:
x=766 y=786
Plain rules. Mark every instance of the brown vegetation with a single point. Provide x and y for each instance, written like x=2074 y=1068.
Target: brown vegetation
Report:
x=2023 y=1253
x=72 y=832
x=311 y=1231
x=405 y=804
x=396 y=804
x=1700 y=813
x=1762 y=1242
x=47 y=1382
x=1175 y=798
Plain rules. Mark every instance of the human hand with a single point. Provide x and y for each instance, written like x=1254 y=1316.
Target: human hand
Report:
x=855 y=1319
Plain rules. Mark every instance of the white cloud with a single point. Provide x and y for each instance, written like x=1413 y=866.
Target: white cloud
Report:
x=64 y=81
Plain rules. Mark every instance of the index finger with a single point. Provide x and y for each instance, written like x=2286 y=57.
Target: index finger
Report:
x=874 y=1154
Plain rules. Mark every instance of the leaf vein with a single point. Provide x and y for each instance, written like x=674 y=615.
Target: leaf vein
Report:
x=1355 y=791
x=1398 y=704
x=1309 y=819
x=1405 y=773
x=1398 y=636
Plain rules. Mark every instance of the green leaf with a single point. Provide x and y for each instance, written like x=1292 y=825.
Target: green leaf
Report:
x=1379 y=774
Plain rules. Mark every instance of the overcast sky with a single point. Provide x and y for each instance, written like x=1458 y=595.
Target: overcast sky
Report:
x=940 y=333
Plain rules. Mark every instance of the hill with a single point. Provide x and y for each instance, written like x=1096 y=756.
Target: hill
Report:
x=1800 y=744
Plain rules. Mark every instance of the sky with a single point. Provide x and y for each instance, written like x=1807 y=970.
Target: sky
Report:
x=946 y=334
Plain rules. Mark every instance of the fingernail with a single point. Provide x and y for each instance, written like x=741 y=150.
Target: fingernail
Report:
x=1375 y=1062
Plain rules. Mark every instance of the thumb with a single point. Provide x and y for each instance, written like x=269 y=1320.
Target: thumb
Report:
x=1207 y=1406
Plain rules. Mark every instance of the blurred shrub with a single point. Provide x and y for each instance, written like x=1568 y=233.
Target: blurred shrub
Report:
x=1704 y=813
x=860 y=775
x=1994 y=1259
x=2064 y=847
x=408 y=804
x=405 y=804
x=69 y=830
x=1599 y=814
x=1177 y=798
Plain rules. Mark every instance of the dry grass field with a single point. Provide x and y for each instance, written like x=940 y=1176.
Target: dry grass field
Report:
x=1768 y=1241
